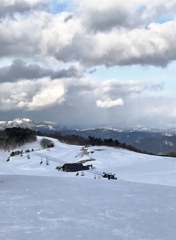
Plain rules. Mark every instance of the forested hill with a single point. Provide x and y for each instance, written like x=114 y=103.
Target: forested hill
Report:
x=14 y=137
x=93 y=141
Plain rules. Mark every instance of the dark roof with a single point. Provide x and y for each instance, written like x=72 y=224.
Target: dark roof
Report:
x=74 y=167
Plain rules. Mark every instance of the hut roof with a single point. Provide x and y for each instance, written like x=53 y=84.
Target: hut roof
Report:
x=74 y=167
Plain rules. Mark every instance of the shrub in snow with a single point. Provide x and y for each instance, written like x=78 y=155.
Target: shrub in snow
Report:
x=46 y=143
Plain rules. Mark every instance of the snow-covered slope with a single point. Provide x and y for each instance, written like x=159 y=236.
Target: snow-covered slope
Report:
x=39 y=202
x=127 y=165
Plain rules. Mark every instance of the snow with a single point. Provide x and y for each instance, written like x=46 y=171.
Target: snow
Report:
x=39 y=202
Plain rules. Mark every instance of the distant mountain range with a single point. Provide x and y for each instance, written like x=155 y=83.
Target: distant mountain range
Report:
x=43 y=126
x=149 y=140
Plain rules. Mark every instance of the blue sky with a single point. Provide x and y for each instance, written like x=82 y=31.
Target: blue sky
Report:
x=89 y=63
x=58 y=6
x=140 y=73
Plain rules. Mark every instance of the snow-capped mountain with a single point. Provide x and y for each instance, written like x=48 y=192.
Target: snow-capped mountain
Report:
x=28 y=123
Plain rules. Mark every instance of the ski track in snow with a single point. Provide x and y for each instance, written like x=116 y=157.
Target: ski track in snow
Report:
x=39 y=202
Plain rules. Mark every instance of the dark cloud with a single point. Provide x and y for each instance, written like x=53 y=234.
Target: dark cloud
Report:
x=8 y=9
x=18 y=40
x=141 y=46
x=92 y=70
x=120 y=14
x=69 y=17
x=106 y=20
x=71 y=72
x=22 y=70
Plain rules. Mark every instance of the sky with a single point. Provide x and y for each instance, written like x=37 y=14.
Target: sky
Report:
x=89 y=63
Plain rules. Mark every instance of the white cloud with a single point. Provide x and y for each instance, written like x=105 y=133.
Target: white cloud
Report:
x=108 y=103
x=44 y=35
x=50 y=93
x=31 y=95
x=75 y=101
x=58 y=35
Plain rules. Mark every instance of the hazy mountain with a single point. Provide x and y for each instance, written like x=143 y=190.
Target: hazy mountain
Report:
x=151 y=142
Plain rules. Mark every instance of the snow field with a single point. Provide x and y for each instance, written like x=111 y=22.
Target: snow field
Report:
x=39 y=202
x=69 y=208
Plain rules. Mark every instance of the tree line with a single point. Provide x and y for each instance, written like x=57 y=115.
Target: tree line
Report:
x=11 y=138
x=93 y=141
x=14 y=137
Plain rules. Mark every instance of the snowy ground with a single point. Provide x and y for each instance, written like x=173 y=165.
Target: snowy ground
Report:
x=39 y=202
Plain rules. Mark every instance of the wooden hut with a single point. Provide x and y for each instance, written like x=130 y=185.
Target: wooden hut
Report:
x=74 y=167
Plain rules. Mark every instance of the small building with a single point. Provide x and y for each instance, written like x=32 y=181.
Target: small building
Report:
x=74 y=167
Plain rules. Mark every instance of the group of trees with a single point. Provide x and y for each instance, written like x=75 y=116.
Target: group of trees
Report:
x=14 y=137
x=79 y=140
x=46 y=143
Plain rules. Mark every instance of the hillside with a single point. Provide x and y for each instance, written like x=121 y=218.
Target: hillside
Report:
x=39 y=202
